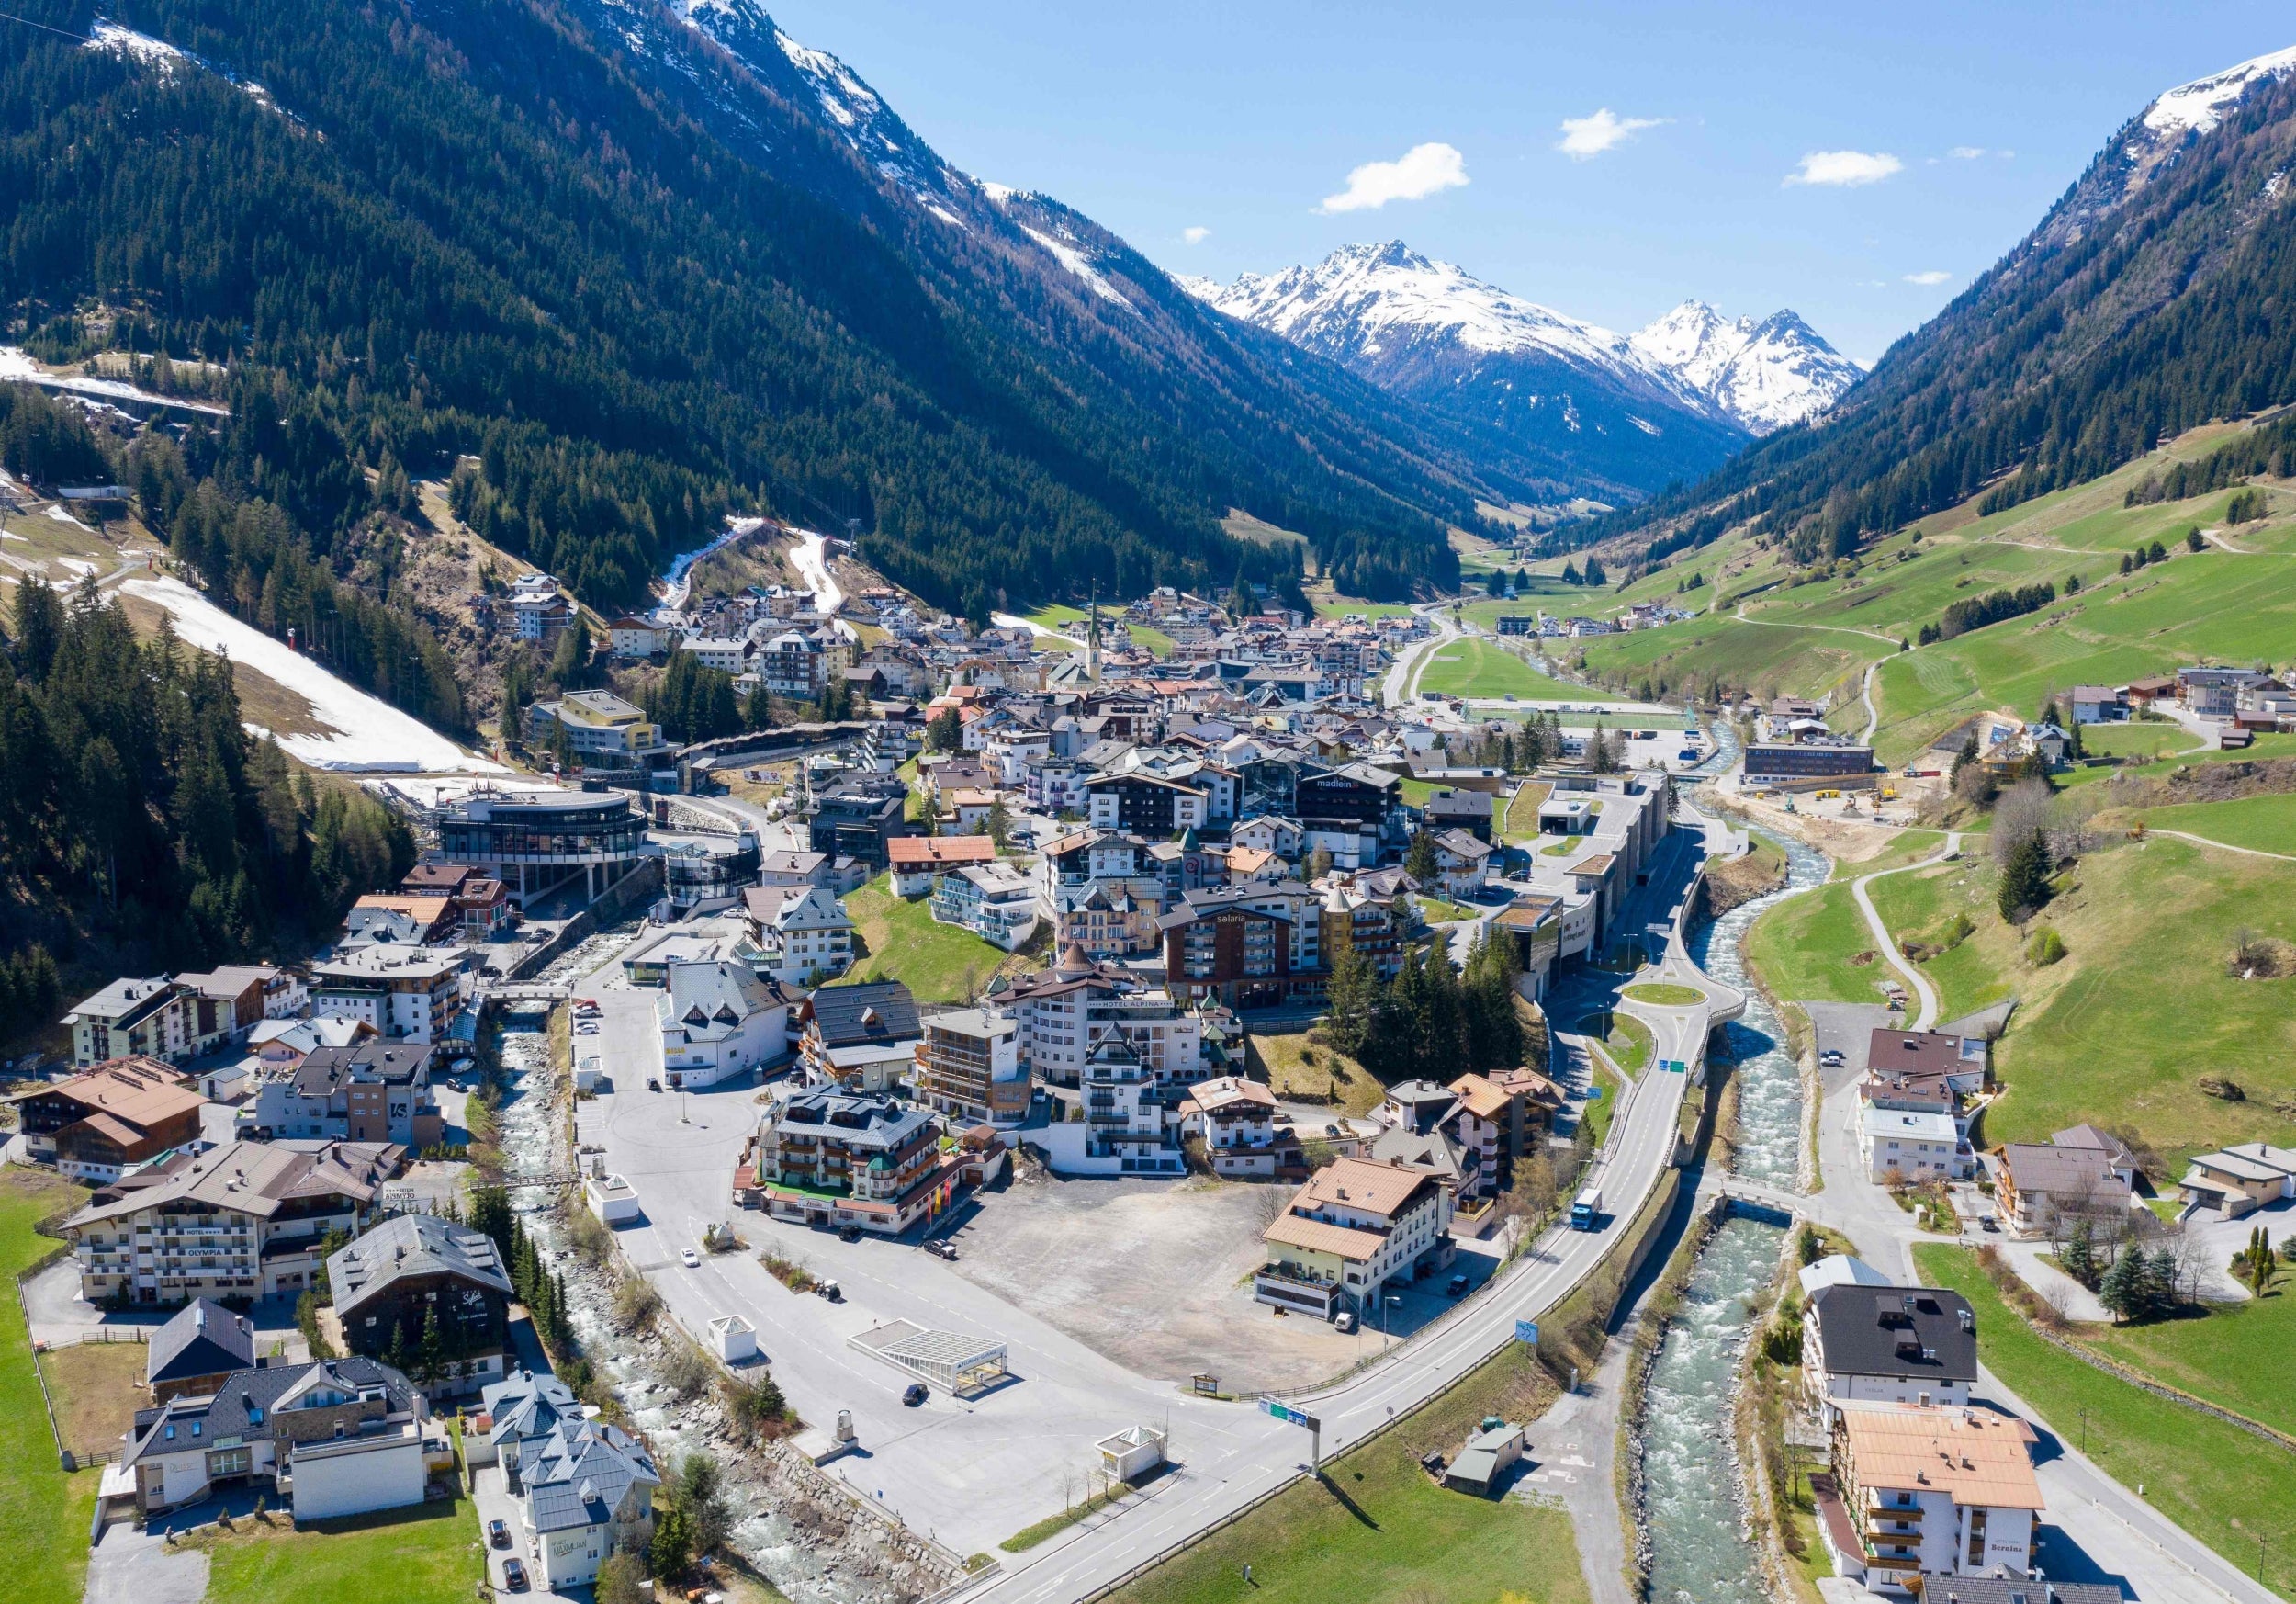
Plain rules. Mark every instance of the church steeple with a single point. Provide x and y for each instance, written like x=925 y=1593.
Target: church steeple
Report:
x=1092 y=639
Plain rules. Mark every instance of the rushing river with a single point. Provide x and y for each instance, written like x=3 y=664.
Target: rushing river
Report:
x=1699 y=1552
x=1692 y=1511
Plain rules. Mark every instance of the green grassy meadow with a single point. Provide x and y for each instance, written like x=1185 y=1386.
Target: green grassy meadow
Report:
x=44 y=1514
x=430 y=1554
x=905 y=944
x=2232 y=1354
x=1472 y=667
x=2219 y=1483
x=1378 y=1530
x=1803 y=948
x=2265 y=824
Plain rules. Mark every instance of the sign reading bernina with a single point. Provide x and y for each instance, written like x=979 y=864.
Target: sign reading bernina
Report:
x=1286 y=1412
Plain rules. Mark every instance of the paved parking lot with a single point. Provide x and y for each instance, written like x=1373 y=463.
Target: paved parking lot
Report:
x=1157 y=1276
x=58 y=1315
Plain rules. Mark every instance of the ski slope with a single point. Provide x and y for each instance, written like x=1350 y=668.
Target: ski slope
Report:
x=369 y=735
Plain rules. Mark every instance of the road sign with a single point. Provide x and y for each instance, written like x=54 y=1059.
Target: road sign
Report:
x=1526 y=1332
x=1296 y=1417
x=1676 y=1067
x=1594 y=1094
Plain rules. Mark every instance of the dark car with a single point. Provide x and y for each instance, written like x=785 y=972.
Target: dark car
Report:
x=513 y=1576
x=653 y=1083
x=1456 y=1285
x=914 y=1394
x=1990 y=1223
x=849 y=1233
x=498 y=1534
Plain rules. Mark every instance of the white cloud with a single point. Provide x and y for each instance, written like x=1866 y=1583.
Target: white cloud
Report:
x=1967 y=153
x=1196 y=235
x=1590 y=136
x=1929 y=275
x=1845 y=169
x=1423 y=170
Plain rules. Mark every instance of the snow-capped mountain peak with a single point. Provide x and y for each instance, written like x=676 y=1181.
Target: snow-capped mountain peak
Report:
x=1367 y=302
x=1766 y=374
x=2200 y=105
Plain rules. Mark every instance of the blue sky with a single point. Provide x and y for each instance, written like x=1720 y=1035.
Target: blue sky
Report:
x=1242 y=119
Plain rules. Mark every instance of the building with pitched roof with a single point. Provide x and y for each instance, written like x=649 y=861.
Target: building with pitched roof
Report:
x=825 y=1157
x=246 y=1220
x=1895 y=1344
x=334 y=1438
x=1930 y=1492
x=391 y=1284
x=718 y=1019
x=1356 y=1226
x=584 y=1487
x=914 y=860
x=190 y=1356
x=133 y=1017
x=800 y=933
x=2037 y=1183
x=104 y=1120
x=862 y=1036
x=2236 y=1179
x=1235 y=1120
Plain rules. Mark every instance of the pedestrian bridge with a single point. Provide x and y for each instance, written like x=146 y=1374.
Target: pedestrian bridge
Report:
x=1738 y=1189
x=534 y=991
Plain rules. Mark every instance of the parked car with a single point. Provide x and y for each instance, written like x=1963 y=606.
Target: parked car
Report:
x=653 y=1083
x=830 y=1289
x=1990 y=1223
x=585 y=1029
x=849 y=1234
x=513 y=1576
x=498 y=1533
x=1456 y=1285
x=1831 y=1057
x=914 y=1394
x=942 y=1250
x=1344 y=1322
x=690 y=1259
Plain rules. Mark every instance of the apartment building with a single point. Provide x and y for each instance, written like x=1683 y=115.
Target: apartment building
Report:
x=717 y=1019
x=1354 y=1227
x=828 y=1159
x=96 y=1124
x=406 y=994
x=373 y=1091
x=969 y=1068
x=410 y=1270
x=133 y=1017
x=1063 y=1012
x=1890 y=1344
x=246 y=1220
x=1930 y=1492
x=1235 y=1120
x=801 y=934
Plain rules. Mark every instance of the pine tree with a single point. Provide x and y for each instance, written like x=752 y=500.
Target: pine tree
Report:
x=2025 y=879
x=2122 y=1289
x=1353 y=998
x=1419 y=862
x=430 y=1352
x=2159 y=1281
x=2079 y=1258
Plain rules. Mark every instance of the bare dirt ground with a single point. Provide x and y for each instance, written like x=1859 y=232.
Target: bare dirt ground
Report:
x=1847 y=841
x=1154 y=1274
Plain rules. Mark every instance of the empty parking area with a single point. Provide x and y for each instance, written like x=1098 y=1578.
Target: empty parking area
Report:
x=1156 y=1275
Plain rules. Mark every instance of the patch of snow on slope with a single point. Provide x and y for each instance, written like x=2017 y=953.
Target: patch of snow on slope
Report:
x=370 y=734
x=2201 y=104
x=1076 y=262
x=999 y=193
x=136 y=46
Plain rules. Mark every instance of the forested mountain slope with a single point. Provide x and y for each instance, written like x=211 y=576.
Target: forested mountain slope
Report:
x=646 y=267
x=2157 y=294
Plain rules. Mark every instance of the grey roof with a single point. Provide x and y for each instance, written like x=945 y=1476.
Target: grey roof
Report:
x=580 y=1473
x=255 y=1178
x=407 y=1245
x=2016 y=1590
x=228 y=1411
x=871 y=1121
x=528 y=1406
x=869 y=1010
x=204 y=1339
x=1913 y=1333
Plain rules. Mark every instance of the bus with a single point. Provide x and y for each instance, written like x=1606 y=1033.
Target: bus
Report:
x=1586 y=1213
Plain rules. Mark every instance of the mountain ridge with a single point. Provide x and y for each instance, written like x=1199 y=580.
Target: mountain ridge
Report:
x=1636 y=411
x=2157 y=294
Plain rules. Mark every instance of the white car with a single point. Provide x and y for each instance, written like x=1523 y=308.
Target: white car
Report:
x=690 y=1259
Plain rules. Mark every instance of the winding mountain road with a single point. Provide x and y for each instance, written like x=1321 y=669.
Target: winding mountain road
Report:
x=1887 y=944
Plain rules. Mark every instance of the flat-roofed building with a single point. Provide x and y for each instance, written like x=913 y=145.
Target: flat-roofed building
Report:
x=827 y=1159
x=545 y=844
x=968 y=1066
x=407 y=994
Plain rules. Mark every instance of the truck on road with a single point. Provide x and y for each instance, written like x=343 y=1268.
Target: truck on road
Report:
x=1586 y=1213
